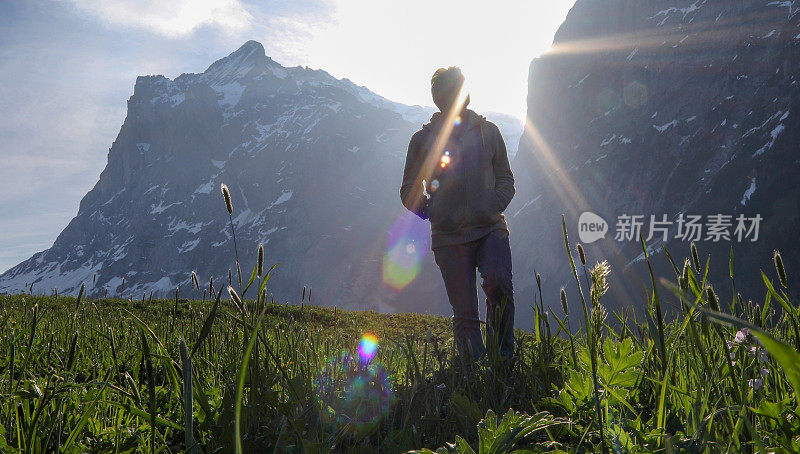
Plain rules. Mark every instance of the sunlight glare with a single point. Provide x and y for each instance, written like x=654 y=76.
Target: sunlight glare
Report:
x=393 y=48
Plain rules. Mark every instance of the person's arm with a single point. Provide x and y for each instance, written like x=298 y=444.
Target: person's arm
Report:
x=503 y=177
x=411 y=189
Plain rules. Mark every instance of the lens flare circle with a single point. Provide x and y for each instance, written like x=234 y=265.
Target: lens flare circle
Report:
x=368 y=347
x=397 y=276
x=635 y=94
x=407 y=243
x=352 y=395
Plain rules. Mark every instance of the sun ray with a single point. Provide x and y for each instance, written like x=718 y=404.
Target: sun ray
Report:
x=565 y=188
x=704 y=36
x=432 y=159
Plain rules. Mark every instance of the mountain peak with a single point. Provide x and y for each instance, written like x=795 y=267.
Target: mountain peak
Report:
x=240 y=62
x=251 y=45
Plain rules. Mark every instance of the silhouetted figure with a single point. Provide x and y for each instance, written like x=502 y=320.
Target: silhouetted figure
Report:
x=457 y=175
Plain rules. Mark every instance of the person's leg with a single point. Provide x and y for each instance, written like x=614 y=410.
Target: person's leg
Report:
x=457 y=264
x=494 y=263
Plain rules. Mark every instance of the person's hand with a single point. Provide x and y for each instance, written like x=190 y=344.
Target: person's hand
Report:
x=423 y=210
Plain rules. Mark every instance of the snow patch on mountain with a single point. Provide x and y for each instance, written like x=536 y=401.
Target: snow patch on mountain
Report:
x=773 y=135
x=188 y=245
x=526 y=205
x=284 y=197
x=749 y=192
x=666 y=126
x=230 y=94
x=205 y=188
x=161 y=207
x=684 y=11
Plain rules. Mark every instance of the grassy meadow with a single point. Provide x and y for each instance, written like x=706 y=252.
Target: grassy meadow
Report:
x=239 y=373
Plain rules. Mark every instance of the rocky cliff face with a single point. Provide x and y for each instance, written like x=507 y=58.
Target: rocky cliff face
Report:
x=313 y=165
x=662 y=108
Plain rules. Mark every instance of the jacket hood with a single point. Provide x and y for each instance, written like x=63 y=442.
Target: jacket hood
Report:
x=469 y=120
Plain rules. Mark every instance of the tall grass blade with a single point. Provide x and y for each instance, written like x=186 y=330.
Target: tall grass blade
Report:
x=151 y=388
x=208 y=323
x=188 y=429
x=240 y=383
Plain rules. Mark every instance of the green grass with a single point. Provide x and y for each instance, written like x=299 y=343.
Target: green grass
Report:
x=107 y=375
x=248 y=375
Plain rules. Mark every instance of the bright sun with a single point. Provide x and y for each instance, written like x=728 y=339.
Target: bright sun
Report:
x=394 y=47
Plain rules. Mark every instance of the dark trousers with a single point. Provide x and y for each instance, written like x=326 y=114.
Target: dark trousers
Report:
x=491 y=255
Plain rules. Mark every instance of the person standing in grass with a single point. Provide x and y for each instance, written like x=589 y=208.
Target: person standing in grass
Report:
x=458 y=176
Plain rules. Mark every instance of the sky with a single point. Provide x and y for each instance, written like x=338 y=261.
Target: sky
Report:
x=68 y=67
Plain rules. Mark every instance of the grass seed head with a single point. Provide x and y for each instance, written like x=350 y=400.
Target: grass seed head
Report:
x=564 y=304
x=713 y=300
x=599 y=315
x=779 y=267
x=683 y=280
x=599 y=274
x=226 y=194
x=581 y=254
x=260 y=270
x=695 y=257
x=235 y=297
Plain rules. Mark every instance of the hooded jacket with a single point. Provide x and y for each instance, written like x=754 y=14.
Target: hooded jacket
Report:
x=467 y=176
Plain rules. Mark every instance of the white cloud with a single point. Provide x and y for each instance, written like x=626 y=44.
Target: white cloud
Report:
x=170 y=18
